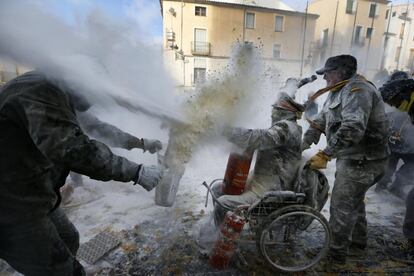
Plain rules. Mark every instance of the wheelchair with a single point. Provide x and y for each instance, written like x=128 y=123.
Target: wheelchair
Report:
x=288 y=230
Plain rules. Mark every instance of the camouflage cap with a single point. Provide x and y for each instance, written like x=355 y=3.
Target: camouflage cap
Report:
x=341 y=61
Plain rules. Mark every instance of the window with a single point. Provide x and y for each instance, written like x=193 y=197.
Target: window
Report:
x=369 y=33
x=350 y=4
x=397 y=54
x=411 y=58
x=250 y=18
x=325 y=34
x=200 y=45
x=358 y=34
x=402 y=30
x=276 y=50
x=373 y=10
x=200 y=11
x=387 y=14
x=279 y=23
x=199 y=75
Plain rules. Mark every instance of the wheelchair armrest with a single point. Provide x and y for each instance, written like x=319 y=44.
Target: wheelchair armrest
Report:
x=283 y=196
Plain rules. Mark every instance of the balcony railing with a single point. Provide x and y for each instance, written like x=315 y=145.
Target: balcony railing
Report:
x=200 y=48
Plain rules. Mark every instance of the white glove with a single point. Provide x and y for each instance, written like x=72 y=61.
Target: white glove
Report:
x=151 y=145
x=149 y=177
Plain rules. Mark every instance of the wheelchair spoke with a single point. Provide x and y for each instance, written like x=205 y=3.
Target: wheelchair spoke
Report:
x=295 y=241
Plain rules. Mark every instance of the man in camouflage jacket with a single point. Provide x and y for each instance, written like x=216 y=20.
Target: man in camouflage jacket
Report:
x=356 y=128
x=402 y=149
x=111 y=136
x=40 y=142
x=399 y=93
x=278 y=157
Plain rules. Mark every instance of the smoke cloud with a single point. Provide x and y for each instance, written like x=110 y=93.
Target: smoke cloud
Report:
x=100 y=57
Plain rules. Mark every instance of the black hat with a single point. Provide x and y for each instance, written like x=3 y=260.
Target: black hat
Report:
x=341 y=61
x=400 y=88
x=399 y=75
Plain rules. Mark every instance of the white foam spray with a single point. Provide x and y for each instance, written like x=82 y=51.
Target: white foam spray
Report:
x=214 y=106
x=101 y=57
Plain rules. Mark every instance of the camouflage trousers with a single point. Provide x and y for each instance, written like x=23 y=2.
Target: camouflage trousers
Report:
x=347 y=211
x=408 y=226
x=404 y=176
x=230 y=202
x=40 y=247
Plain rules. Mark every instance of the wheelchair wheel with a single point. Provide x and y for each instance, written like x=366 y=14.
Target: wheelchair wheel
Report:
x=294 y=238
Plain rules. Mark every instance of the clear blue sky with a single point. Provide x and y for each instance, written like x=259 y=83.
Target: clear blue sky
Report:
x=146 y=13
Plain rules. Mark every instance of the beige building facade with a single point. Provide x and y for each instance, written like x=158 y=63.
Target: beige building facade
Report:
x=198 y=36
x=399 y=38
x=10 y=70
x=350 y=27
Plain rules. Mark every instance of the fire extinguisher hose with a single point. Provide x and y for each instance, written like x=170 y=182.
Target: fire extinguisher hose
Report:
x=213 y=196
x=216 y=201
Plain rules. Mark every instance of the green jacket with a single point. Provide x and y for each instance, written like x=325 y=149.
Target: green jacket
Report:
x=40 y=142
x=354 y=122
x=278 y=154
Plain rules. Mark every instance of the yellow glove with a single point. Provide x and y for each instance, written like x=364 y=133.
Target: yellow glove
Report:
x=319 y=161
x=406 y=105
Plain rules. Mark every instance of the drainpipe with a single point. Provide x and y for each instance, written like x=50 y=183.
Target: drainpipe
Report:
x=244 y=25
x=370 y=39
x=353 y=27
x=334 y=28
x=402 y=38
x=406 y=41
x=304 y=39
x=386 y=39
x=181 y=42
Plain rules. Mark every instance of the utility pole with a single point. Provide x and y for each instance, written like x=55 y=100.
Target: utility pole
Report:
x=334 y=28
x=353 y=27
x=304 y=39
x=402 y=35
x=386 y=38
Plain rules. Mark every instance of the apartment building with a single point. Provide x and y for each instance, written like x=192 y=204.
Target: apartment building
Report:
x=399 y=38
x=198 y=35
x=9 y=71
x=350 y=27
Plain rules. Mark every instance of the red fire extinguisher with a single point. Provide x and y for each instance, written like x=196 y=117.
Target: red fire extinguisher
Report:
x=237 y=171
x=226 y=244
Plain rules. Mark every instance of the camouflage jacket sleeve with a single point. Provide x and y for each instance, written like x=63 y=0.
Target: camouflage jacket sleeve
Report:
x=261 y=139
x=107 y=133
x=356 y=106
x=316 y=128
x=51 y=122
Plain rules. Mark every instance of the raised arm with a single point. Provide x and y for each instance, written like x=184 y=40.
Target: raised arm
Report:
x=108 y=133
x=313 y=134
x=51 y=122
x=261 y=139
